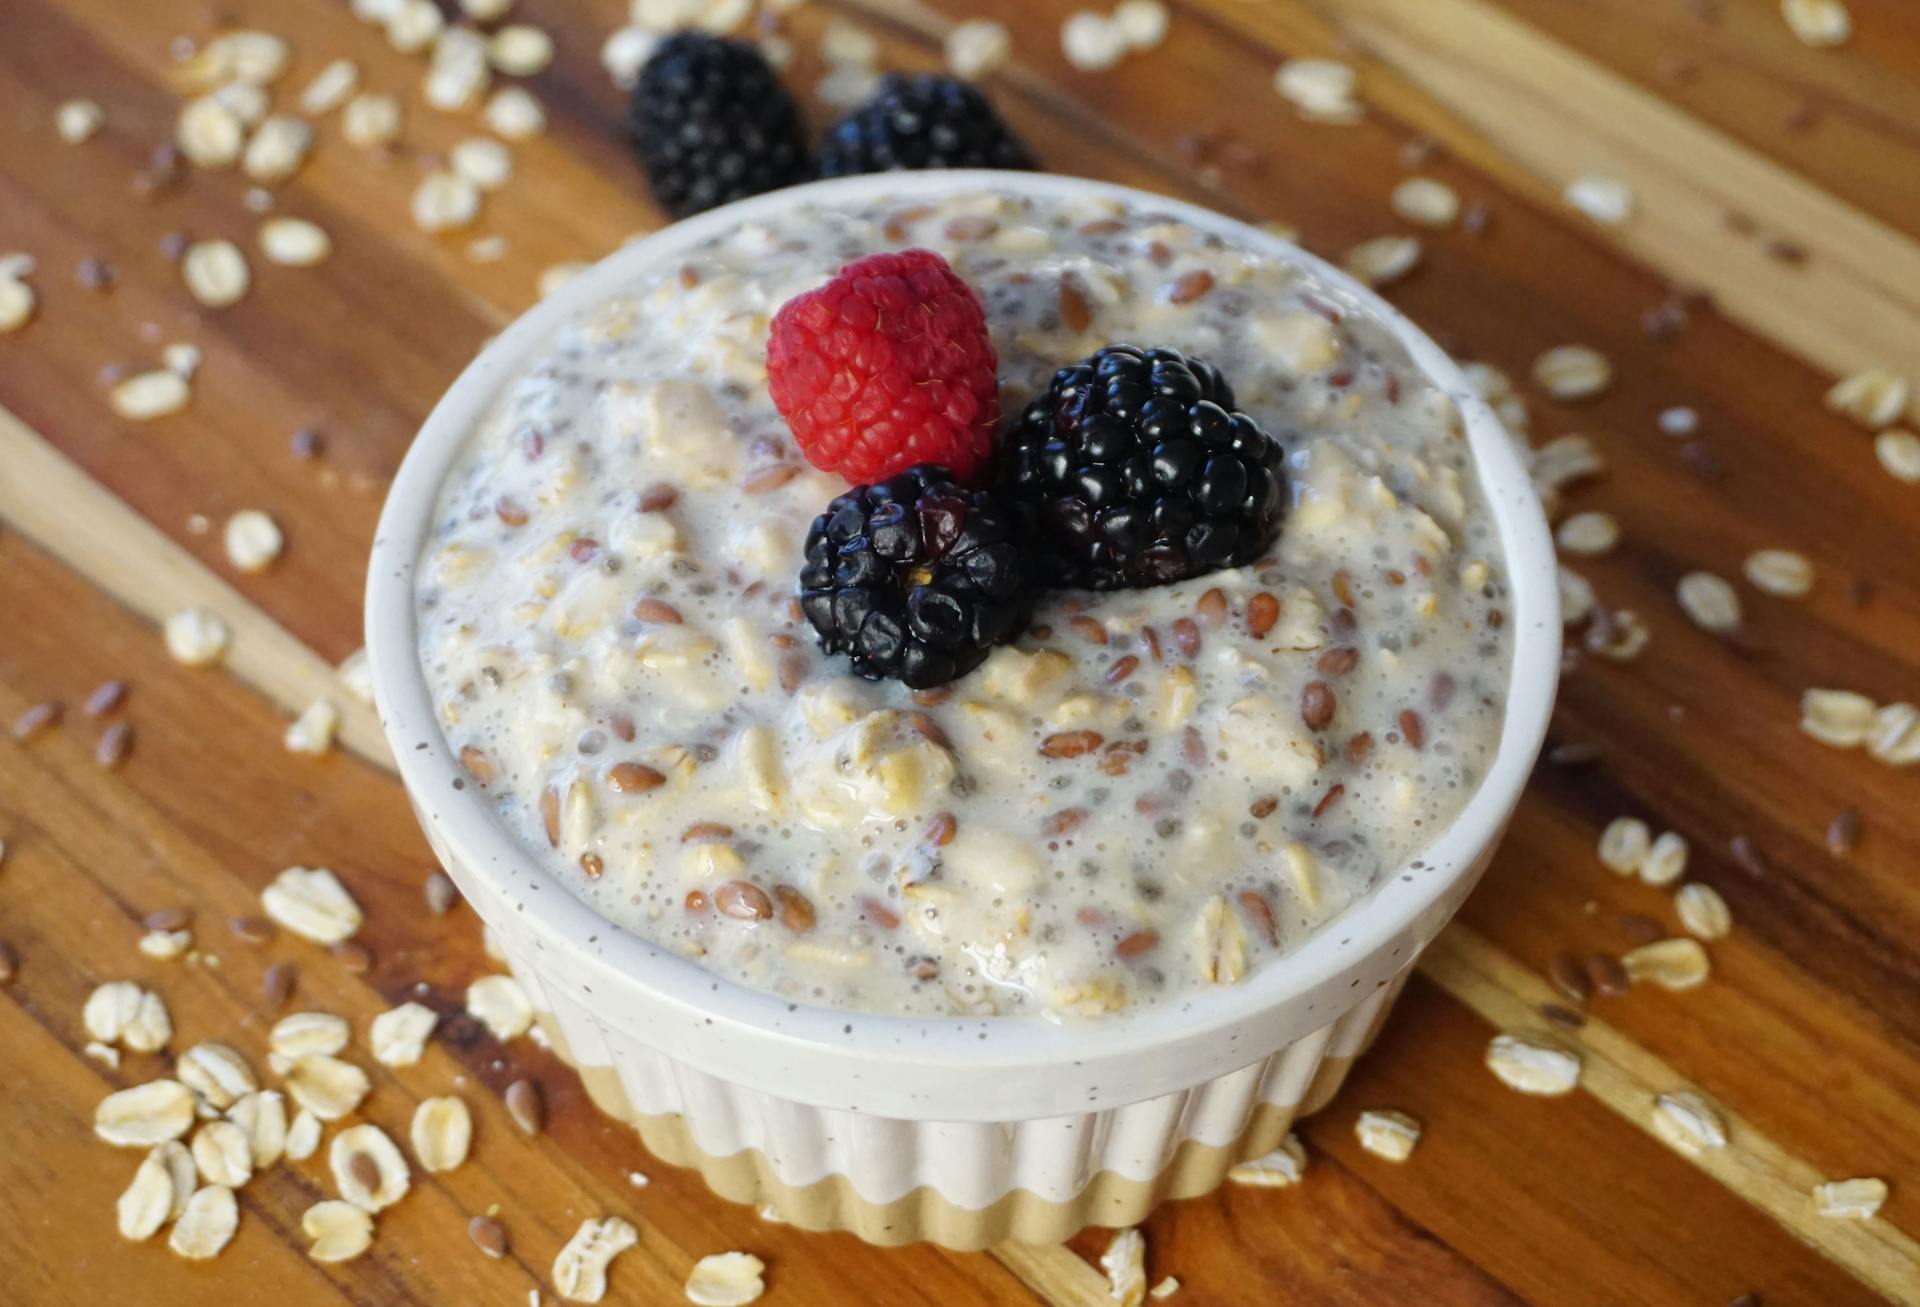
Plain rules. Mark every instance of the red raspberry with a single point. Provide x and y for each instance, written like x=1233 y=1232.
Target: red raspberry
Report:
x=887 y=365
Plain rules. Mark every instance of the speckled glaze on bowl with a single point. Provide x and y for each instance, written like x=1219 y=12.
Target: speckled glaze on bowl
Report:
x=963 y=1131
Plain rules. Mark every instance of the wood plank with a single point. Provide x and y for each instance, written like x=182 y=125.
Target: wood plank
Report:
x=1844 y=119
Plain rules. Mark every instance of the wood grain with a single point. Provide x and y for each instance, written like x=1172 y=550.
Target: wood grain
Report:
x=1809 y=1033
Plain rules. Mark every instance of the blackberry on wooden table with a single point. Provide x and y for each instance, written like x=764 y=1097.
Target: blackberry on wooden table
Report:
x=922 y=121
x=915 y=578
x=712 y=123
x=1135 y=469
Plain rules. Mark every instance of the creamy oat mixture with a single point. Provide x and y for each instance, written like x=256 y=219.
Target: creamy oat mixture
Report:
x=1149 y=793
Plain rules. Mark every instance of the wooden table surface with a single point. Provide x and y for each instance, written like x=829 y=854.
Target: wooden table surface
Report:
x=1780 y=180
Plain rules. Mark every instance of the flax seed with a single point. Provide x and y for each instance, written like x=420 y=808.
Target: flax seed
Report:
x=253 y=930
x=1843 y=833
x=1260 y=912
x=527 y=1106
x=1070 y=744
x=1075 y=316
x=743 y=901
x=658 y=612
x=1122 y=669
x=1566 y=974
x=175 y=918
x=1212 y=607
x=277 y=983
x=796 y=912
x=1606 y=976
x=768 y=479
x=1263 y=610
x=489 y=1236
x=633 y=778
x=1412 y=729
x=37 y=720
x=1186 y=637
x=107 y=696
x=114 y=745
x=1318 y=705
x=1190 y=286
x=1640 y=928
x=1337 y=661
x=1063 y=822
x=939 y=832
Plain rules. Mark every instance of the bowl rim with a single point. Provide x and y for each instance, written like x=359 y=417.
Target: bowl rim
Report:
x=926 y=1049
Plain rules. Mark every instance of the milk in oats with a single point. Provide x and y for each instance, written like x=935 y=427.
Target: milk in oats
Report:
x=1148 y=793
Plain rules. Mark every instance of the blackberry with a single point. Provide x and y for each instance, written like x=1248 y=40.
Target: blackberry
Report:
x=1135 y=469
x=921 y=121
x=712 y=123
x=914 y=578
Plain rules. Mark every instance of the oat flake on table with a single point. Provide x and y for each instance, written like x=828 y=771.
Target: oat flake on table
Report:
x=580 y=1269
x=1606 y=200
x=1689 y=1122
x=1533 y=1066
x=1874 y=397
x=1125 y=1262
x=1383 y=260
x=977 y=47
x=1387 y=1133
x=1822 y=24
x=1276 y=1170
x=339 y=1231
x=149 y=395
x=1899 y=454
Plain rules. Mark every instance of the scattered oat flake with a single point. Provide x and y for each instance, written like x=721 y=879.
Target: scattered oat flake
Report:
x=445 y=201
x=215 y=272
x=1125 y=1262
x=1672 y=964
x=1678 y=421
x=145 y=1115
x=218 y=1074
x=580 y=1271
x=253 y=540
x=327 y=1087
x=514 y=115
x=1689 y=1122
x=1533 y=1066
x=442 y=1131
x=303 y=1136
x=312 y=903
x=367 y=1167
x=1779 y=572
x=147 y=1202
x=1703 y=912
x=1277 y=1169
x=1822 y=24
x=148 y=395
x=208 y=1223
x=977 y=47
x=294 y=242
x=209 y=134
x=371 y=120
x=16 y=303
x=1606 y=200
x=1709 y=601
x=626 y=52
x=1853 y=1200
x=499 y=1004
x=1321 y=89
x=77 y=121
x=330 y=87
x=1874 y=398
x=313 y=730
x=278 y=149
x=1572 y=372
x=399 y=1036
x=340 y=1231
x=306 y=1034
x=1168 y=1286
x=1143 y=22
x=1894 y=737
x=1899 y=454
x=356 y=675
x=520 y=50
x=121 y=1012
x=1383 y=260
x=1666 y=859
x=1387 y=1133
x=1840 y=718
x=1588 y=534
x=1624 y=845
x=1426 y=201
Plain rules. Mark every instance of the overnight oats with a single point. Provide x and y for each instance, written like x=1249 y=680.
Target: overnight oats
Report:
x=1152 y=678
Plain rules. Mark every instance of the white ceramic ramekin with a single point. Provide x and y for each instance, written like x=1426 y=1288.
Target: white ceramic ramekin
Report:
x=961 y=1131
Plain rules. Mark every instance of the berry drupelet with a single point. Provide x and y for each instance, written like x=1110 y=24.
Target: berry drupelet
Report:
x=1134 y=469
x=712 y=123
x=914 y=578
x=921 y=121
